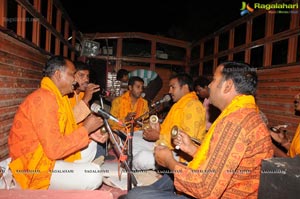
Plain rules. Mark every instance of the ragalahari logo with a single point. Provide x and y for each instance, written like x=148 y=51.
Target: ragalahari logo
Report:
x=245 y=8
x=272 y=8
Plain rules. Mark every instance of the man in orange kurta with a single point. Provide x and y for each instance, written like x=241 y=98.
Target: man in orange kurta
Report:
x=130 y=105
x=187 y=114
x=228 y=162
x=44 y=135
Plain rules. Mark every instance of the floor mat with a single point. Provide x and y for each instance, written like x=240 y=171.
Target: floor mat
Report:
x=111 y=180
x=114 y=179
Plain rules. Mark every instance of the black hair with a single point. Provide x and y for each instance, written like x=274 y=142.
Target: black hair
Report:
x=134 y=79
x=184 y=78
x=201 y=81
x=53 y=64
x=79 y=65
x=121 y=73
x=243 y=76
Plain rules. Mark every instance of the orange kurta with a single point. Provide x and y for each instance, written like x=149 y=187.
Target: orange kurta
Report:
x=44 y=130
x=232 y=165
x=122 y=105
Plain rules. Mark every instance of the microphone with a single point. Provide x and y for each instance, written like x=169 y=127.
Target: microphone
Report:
x=166 y=98
x=99 y=111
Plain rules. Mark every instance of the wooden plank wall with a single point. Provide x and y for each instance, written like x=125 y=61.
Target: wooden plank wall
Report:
x=20 y=73
x=277 y=87
x=275 y=96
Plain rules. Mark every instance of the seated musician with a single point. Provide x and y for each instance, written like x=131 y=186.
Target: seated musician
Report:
x=45 y=138
x=129 y=105
x=187 y=113
x=228 y=163
x=152 y=81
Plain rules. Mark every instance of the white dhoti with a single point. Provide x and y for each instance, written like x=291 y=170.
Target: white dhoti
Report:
x=142 y=151
x=81 y=174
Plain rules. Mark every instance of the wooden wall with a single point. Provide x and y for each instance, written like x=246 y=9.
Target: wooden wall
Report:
x=277 y=87
x=275 y=96
x=20 y=73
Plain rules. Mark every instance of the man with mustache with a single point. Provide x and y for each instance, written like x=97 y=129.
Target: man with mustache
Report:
x=187 y=113
x=45 y=139
x=79 y=100
x=228 y=162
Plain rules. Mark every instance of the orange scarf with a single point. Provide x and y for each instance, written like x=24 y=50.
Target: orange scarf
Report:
x=67 y=123
x=241 y=101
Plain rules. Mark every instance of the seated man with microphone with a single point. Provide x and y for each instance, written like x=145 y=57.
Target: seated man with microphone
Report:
x=187 y=113
x=80 y=99
x=45 y=141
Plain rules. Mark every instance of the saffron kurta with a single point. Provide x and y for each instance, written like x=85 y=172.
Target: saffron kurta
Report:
x=188 y=114
x=230 y=166
x=44 y=130
x=122 y=105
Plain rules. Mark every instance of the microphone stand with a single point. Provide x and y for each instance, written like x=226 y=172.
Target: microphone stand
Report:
x=107 y=157
x=128 y=165
x=129 y=153
x=129 y=149
x=130 y=176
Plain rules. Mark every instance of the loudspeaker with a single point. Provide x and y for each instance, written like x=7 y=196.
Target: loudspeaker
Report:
x=280 y=178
